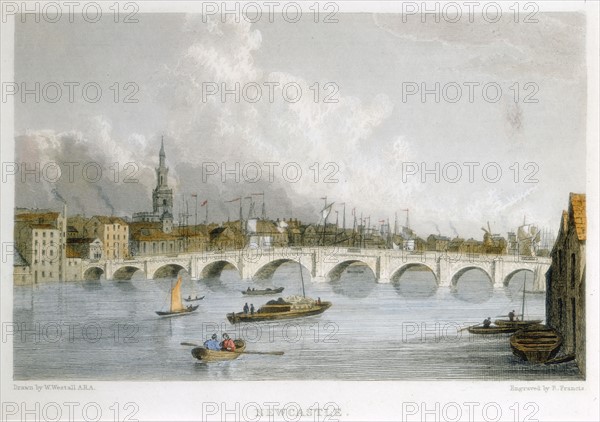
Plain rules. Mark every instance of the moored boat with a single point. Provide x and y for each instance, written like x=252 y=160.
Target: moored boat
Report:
x=478 y=329
x=207 y=355
x=536 y=343
x=196 y=299
x=177 y=307
x=262 y=292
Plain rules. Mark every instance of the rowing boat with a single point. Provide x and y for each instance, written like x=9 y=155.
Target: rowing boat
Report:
x=536 y=344
x=207 y=355
x=262 y=292
x=517 y=324
x=478 y=329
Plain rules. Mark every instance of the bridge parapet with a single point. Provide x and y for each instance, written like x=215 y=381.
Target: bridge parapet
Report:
x=327 y=263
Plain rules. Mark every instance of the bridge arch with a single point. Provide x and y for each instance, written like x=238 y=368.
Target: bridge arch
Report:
x=509 y=277
x=214 y=269
x=93 y=273
x=459 y=273
x=125 y=273
x=397 y=273
x=266 y=271
x=336 y=272
x=167 y=271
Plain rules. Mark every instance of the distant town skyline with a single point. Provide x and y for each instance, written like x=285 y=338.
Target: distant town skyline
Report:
x=380 y=141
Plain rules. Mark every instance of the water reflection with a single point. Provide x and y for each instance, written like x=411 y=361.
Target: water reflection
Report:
x=357 y=282
x=416 y=283
x=473 y=286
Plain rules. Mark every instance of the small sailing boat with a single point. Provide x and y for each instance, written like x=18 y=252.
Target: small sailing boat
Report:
x=177 y=307
x=515 y=323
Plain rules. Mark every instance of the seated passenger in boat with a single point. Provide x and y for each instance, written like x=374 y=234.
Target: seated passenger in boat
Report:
x=227 y=343
x=487 y=322
x=212 y=344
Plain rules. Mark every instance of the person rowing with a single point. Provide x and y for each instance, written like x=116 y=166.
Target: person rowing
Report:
x=212 y=344
x=487 y=322
x=227 y=343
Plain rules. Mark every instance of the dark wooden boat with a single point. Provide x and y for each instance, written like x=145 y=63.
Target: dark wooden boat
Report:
x=207 y=355
x=517 y=324
x=196 y=299
x=536 y=343
x=262 y=292
x=479 y=329
x=279 y=311
x=177 y=308
x=560 y=359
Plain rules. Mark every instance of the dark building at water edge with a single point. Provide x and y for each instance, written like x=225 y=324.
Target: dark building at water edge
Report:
x=565 y=289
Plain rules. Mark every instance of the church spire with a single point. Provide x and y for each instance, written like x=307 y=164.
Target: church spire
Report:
x=161 y=154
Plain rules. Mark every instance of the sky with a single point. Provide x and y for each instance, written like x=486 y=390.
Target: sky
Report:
x=367 y=150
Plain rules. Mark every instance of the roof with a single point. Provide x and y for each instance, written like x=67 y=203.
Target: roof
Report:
x=43 y=226
x=577 y=211
x=109 y=220
x=32 y=216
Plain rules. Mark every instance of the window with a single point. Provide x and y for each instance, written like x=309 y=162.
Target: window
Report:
x=560 y=261
x=51 y=234
x=36 y=233
x=51 y=252
x=50 y=275
x=43 y=273
x=573 y=270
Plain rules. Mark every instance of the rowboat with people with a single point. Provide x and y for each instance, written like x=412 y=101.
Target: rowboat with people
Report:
x=267 y=291
x=479 y=329
x=207 y=355
x=513 y=320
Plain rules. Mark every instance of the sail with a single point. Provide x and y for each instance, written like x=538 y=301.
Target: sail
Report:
x=176 y=304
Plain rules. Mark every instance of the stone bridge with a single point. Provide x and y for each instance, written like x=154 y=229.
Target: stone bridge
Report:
x=323 y=264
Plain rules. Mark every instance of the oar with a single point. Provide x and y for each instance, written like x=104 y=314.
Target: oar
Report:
x=235 y=351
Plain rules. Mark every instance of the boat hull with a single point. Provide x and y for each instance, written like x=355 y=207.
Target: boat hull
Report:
x=491 y=330
x=193 y=300
x=262 y=292
x=270 y=316
x=168 y=314
x=537 y=344
x=517 y=324
x=206 y=355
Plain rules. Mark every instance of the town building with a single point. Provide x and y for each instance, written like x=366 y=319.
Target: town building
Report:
x=565 y=280
x=113 y=232
x=40 y=239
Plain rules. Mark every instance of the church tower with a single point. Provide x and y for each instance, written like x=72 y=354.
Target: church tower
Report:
x=162 y=195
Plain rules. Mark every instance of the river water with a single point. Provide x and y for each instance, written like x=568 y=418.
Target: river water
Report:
x=108 y=330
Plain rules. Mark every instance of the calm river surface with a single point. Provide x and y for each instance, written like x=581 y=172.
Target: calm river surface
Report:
x=108 y=330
